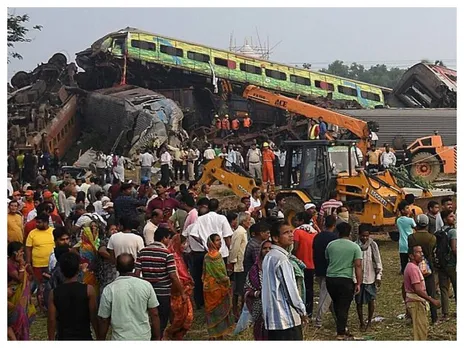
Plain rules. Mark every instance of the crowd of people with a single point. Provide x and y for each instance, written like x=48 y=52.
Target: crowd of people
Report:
x=143 y=259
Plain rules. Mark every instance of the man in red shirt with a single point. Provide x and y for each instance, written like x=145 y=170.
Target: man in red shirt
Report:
x=47 y=208
x=162 y=202
x=303 y=237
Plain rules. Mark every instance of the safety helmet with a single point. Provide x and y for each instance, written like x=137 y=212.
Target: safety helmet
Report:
x=265 y=144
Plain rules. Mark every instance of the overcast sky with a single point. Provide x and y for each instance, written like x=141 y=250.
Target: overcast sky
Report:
x=394 y=36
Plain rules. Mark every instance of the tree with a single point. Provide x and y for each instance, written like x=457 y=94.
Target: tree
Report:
x=17 y=32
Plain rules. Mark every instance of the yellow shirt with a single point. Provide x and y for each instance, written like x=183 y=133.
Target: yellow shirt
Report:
x=42 y=246
x=15 y=228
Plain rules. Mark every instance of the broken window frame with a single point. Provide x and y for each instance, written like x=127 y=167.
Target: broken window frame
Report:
x=172 y=51
x=322 y=85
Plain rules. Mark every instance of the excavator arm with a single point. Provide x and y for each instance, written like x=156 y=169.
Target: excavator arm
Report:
x=357 y=127
x=240 y=183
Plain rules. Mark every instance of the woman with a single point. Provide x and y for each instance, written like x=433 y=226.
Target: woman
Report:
x=182 y=310
x=88 y=247
x=217 y=292
x=106 y=269
x=21 y=311
x=252 y=291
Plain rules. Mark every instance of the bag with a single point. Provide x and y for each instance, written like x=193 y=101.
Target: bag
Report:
x=424 y=267
x=244 y=321
x=442 y=251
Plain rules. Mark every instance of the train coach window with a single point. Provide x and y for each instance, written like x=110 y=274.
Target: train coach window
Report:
x=225 y=62
x=347 y=90
x=370 y=96
x=300 y=80
x=172 y=51
x=276 y=74
x=324 y=85
x=200 y=57
x=250 y=69
x=150 y=46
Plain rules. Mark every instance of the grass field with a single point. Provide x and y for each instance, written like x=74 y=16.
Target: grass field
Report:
x=389 y=306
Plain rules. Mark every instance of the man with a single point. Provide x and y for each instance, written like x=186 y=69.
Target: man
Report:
x=371 y=275
x=253 y=161
x=373 y=159
x=329 y=207
x=217 y=125
x=446 y=205
x=320 y=242
x=157 y=266
x=151 y=226
x=15 y=228
x=310 y=208
x=313 y=130
x=115 y=189
x=129 y=304
x=72 y=306
x=12 y=165
x=62 y=200
x=433 y=210
x=259 y=233
x=343 y=255
x=237 y=253
x=29 y=203
x=247 y=123
x=322 y=129
x=235 y=126
x=416 y=295
x=93 y=189
x=388 y=158
x=125 y=241
x=61 y=238
x=268 y=165
x=303 y=237
x=146 y=163
x=163 y=202
x=125 y=204
x=446 y=257
x=225 y=126
x=405 y=226
x=256 y=206
x=415 y=210
x=191 y=159
x=343 y=215
x=209 y=154
x=166 y=164
x=427 y=241
x=278 y=210
x=283 y=308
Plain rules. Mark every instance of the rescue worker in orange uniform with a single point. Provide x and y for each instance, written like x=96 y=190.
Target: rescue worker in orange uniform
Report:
x=247 y=123
x=235 y=126
x=217 y=125
x=268 y=165
x=225 y=126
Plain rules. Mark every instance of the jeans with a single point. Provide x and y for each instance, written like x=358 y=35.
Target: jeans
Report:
x=309 y=285
x=197 y=272
x=145 y=172
x=291 y=334
x=341 y=291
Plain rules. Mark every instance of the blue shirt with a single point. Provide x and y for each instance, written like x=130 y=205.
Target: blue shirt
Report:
x=405 y=225
x=320 y=242
x=282 y=304
x=322 y=129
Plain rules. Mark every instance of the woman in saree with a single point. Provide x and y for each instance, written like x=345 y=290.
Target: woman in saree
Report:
x=181 y=310
x=252 y=291
x=21 y=311
x=217 y=292
x=88 y=251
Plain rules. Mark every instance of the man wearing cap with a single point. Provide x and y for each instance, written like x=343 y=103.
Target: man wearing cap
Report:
x=253 y=161
x=268 y=165
x=310 y=208
x=225 y=128
x=29 y=203
x=427 y=241
x=48 y=198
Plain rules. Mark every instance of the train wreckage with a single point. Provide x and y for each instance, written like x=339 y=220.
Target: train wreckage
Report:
x=138 y=89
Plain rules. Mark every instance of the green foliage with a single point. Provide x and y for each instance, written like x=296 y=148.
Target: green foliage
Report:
x=377 y=74
x=17 y=32
x=402 y=176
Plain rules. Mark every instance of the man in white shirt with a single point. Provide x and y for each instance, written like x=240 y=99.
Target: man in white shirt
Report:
x=209 y=154
x=166 y=161
x=388 y=158
x=146 y=162
x=125 y=241
x=254 y=161
x=151 y=226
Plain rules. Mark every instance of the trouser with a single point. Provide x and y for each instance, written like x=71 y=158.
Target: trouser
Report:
x=444 y=277
x=197 y=272
x=165 y=173
x=138 y=172
x=268 y=172
x=294 y=175
x=431 y=291
x=164 y=311
x=184 y=172
x=292 y=334
x=145 y=172
x=177 y=170
x=196 y=169
x=325 y=301
x=309 y=285
x=341 y=291
x=420 y=323
x=404 y=259
x=276 y=172
x=372 y=167
x=191 y=172
x=255 y=170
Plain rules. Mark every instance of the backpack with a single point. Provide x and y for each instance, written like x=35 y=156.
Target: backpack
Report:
x=442 y=251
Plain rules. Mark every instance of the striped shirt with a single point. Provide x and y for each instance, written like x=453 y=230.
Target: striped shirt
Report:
x=282 y=304
x=328 y=207
x=156 y=264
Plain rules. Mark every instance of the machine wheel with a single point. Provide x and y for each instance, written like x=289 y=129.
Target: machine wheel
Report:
x=293 y=205
x=425 y=166
x=394 y=235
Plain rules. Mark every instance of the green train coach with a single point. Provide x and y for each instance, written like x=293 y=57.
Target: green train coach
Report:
x=155 y=49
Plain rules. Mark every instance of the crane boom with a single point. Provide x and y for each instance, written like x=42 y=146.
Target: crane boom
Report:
x=357 y=127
